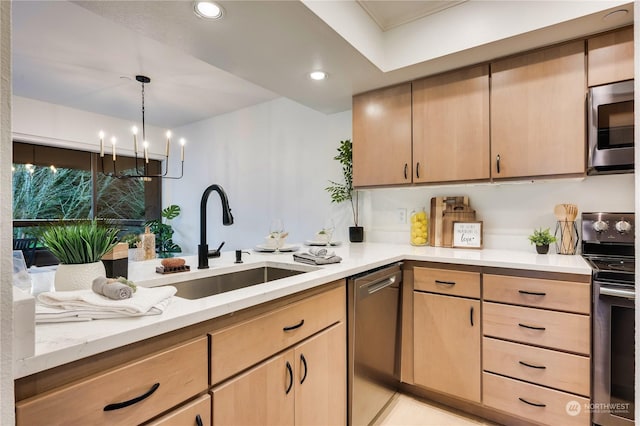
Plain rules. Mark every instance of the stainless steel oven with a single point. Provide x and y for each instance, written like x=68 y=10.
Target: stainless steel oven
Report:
x=608 y=247
x=611 y=118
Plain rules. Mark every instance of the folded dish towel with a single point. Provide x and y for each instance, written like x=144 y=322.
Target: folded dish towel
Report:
x=316 y=260
x=113 y=290
x=320 y=252
x=85 y=305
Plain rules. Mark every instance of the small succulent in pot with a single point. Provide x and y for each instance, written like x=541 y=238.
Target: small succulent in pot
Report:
x=542 y=238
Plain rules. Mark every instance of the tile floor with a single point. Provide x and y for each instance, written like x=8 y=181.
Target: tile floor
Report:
x=408 y=411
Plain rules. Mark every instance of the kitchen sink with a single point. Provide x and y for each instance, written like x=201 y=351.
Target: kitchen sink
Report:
x=209 y=286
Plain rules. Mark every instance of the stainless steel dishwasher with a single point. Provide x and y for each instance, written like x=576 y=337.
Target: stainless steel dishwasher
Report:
x=373 y=312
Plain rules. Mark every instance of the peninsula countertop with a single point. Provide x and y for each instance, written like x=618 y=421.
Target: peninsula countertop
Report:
x=59 y=343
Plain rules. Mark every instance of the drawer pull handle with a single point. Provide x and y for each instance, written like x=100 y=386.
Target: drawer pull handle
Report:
x=539 y=367
x=290 y=385
x=406 y=167
x=471 y=316
x=532 y=293
x=418 y=170
x=450 y=283
x=532 y=327
x=199 y=420
x=293 y=327
x=304 y=364
x=535 y=404
x=498 y=163
x=119 y=405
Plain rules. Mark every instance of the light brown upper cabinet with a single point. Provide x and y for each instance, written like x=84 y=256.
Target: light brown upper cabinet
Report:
x=610 y=57
x=538 y=113
x=382 y=136
x=451 y=126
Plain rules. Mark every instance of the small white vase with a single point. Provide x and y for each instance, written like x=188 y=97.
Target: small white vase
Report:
x=79 y=276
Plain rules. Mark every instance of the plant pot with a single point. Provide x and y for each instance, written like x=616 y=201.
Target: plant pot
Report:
x=79 y=276
x=543 y=249
x=356 y=234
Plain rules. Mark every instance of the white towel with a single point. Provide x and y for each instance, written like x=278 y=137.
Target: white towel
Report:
x=321 y=252
x=85 y=305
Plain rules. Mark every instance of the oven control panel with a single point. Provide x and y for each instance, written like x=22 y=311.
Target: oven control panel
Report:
x=608 y=227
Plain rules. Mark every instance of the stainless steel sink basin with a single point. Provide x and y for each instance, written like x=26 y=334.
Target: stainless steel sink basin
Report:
x=209 y=286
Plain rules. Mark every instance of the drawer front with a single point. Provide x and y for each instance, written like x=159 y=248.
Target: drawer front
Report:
x=559 y=370
x=445 y=281
x=550 y=294
x=555 y=330
x=238 y=347
x=181 y=373
x=187 y=414
x=535 y=403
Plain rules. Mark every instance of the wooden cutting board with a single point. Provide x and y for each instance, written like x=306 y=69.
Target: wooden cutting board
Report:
x=439 y=207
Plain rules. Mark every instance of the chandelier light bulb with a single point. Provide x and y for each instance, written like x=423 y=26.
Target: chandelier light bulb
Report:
x=134 y=130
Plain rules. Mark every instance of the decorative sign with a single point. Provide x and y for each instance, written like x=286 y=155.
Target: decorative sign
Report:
x=467 y=235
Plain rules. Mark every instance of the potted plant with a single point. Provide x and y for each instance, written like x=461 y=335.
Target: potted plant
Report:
x=79 y=247
x=542 y=238
x=341 y=192
x=165 y=247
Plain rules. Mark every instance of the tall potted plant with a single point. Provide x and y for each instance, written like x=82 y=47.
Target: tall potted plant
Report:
x=341 y=192
x=79 y=247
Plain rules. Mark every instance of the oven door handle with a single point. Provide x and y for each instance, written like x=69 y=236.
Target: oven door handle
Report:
x=617 y=292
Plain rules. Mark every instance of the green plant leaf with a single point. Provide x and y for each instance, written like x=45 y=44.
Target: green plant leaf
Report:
x=171 y=212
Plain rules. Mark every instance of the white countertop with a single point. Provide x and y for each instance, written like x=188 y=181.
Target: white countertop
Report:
x=60 y=343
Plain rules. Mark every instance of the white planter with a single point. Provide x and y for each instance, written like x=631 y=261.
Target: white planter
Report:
x=78 y=277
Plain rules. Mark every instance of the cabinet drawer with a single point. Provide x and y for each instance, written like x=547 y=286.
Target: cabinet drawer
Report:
x=445 y=281
x=181 y=372
x=545 y=367
x=555 y=330
x=238 y=347
x=518 y=398
x=551 y=294
x=186 y=415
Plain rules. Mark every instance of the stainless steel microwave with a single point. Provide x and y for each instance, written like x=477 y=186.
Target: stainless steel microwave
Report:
x=611 y=117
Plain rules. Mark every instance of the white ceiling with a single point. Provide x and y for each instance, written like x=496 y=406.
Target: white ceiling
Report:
x=85 y=54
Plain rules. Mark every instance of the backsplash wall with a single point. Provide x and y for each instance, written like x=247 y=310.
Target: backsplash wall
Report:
x=509 y=211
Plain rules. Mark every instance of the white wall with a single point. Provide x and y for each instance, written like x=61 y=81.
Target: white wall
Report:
x=273 y=161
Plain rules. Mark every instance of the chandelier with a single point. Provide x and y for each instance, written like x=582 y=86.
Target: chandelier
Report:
x=141 y=169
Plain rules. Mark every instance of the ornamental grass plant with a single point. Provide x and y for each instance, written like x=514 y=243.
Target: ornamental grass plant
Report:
x=80 y=242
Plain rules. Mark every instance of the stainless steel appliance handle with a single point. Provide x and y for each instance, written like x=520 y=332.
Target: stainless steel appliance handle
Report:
x=379 y=285
x=617 y=292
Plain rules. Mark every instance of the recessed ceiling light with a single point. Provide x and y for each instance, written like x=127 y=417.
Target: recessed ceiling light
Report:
x=616 y=14
x=318 y=75
x=208 y=9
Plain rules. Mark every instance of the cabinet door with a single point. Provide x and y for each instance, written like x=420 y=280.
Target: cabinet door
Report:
x=451 y=126
x=262 y=396
x=321 y=378
x=382 y=136
x=610 y=57
x=195 y=413
x=446 y=334
x=538 y=113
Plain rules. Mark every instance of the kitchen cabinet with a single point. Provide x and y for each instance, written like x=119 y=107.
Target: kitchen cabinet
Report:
x=536 y=347
x=305 y=385
x=189 y=414
x=446 y=332
x=610 y=57
x=451 y=126
x=290 y=363
x=130 y=394
x=538 y=113
x=382 y=137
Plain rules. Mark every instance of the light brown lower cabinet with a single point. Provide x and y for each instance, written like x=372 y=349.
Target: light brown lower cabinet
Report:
x=447 y=344
x=127 y=395
x=305 y=385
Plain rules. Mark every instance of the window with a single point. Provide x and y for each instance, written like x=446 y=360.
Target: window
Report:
x=52 y=183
